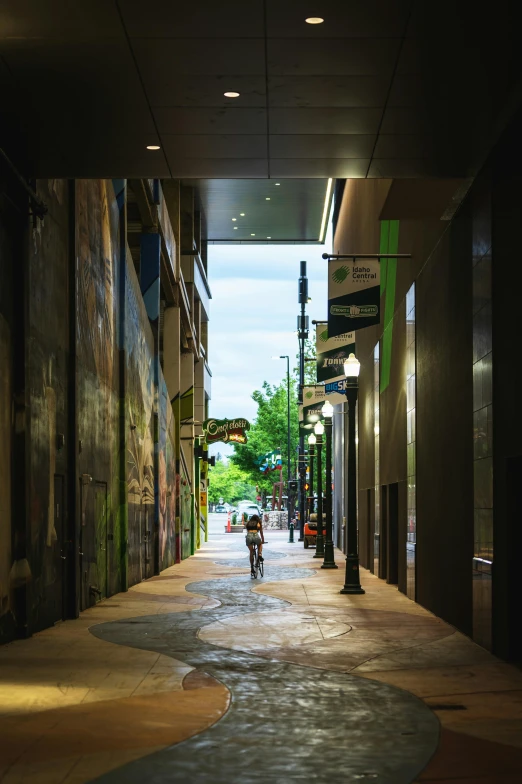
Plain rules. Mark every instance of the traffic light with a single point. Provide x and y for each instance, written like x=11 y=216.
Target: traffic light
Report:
x=307 y=486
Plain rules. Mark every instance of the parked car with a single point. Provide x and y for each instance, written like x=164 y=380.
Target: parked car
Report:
x=249 y=508
x=221 y=508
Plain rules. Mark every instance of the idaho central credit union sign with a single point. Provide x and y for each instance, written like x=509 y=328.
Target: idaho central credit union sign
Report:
x=353 y=295
x=227 y=430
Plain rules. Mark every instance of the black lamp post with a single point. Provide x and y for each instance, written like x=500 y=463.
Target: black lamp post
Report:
x=352 y=582
x=311 y=453
x=319 y=539
x=329 y=557
x=288 y=473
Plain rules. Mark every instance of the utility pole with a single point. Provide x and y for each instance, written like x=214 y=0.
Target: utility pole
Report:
x=302 y=333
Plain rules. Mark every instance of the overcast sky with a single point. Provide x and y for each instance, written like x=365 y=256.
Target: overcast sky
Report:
x=253 y=316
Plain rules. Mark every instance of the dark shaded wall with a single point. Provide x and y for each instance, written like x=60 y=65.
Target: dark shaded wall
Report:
x=445 y=427
x=47 y=429
x=506 y=220
x=98 y=268
x=10 y=239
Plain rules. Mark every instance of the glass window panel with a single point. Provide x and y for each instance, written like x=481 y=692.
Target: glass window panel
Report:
x=481 y=283
x=481 y=334
x=483 y=474
x=480 y=427
x=477 y=385
x=487 y=379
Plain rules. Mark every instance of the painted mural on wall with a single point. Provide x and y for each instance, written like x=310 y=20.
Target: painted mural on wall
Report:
x=98 y=250
x=47 y=381
x=167 y=480
x=98 y=255
x=185 y=510
x=139 y=346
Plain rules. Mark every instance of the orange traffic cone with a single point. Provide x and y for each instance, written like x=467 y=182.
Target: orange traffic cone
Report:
x=229 y=530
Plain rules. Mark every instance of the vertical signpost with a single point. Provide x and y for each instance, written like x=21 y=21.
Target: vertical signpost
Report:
x=302 y=333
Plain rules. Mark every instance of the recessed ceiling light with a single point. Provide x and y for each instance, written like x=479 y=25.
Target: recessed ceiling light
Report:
x=231 y=95
x=234 y=219
x=278 y=183
x=242 y=214
x=267 y=198
x=269 y=238
x=252 y=235
x=235 y=228
x=153 y=147
x=314 y=20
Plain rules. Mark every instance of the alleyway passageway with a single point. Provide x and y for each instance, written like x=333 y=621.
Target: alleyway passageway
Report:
x=203 y=675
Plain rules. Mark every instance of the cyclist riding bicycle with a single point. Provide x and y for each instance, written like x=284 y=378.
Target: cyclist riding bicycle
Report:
x=254 y=535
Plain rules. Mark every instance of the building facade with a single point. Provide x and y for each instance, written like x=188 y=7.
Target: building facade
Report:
x=439 y=433
x=104 y=383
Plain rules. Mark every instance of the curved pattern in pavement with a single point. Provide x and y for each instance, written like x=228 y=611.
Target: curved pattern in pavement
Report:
x=286 y=723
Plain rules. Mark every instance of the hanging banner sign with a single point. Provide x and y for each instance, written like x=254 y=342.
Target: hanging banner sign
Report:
x=336 y=391
x=226 y=430
x=314 y=398
x=332 y=352
x=313 y=401
x=354 y=295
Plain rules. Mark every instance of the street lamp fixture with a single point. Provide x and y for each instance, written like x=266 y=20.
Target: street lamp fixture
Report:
x=319 y=539
x=352 y=584
x=327 y=409
x=352 y=367
x=329 y=557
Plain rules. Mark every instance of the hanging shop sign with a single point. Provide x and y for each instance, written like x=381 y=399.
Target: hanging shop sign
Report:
x=313 y=400
x=226 y=430
x=331 y=353
x=353 y=295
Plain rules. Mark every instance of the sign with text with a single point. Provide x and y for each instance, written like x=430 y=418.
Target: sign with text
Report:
x=354 y=295
x=226 y=430
x=310 y=411
x=332 y=352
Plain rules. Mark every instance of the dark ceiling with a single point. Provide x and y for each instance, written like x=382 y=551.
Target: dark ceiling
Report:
x=264 y=211
x=383 y=88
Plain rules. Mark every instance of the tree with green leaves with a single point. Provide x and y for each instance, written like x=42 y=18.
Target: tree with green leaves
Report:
x=267 y=433
x=229 y=482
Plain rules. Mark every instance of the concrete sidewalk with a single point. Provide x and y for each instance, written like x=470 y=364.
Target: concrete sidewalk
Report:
x=75 y=706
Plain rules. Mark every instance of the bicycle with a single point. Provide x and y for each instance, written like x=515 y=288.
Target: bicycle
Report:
x=257 y=565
